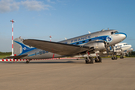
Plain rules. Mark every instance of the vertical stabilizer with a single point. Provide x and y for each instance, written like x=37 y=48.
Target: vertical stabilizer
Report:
x=20 y=48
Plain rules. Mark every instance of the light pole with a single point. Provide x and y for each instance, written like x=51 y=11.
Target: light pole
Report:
x=12 y=37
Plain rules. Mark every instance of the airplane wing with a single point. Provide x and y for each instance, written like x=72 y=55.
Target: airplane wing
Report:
x=56 y=47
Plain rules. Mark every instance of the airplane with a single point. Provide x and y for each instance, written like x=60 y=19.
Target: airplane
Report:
x=119 y=49
x=86 y=44
x=126 y=52
x=129 y=50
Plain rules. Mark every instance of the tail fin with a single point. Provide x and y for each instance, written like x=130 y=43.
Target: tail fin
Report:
x=19 y=47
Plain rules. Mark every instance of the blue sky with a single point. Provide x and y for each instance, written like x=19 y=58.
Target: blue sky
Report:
x=39 y=19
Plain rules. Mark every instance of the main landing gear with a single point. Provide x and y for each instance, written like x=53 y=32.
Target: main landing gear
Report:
x=89 y=60
x=98 y=59
x=122 y=56
x=114 y=58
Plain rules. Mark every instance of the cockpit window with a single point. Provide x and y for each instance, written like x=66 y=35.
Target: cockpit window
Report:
x=114 y=32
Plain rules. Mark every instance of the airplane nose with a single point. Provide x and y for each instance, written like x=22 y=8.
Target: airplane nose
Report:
x=130 y=46
x=124 y=35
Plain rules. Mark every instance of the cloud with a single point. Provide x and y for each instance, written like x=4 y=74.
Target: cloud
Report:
x=35 y=5
x=8 y=5
x=12 y=5
x=50 y=1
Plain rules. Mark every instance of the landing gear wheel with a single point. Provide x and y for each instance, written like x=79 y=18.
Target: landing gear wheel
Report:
x=28 y=61
x=114 y=58
x=98 y=59
x=121 y=57
x=86 y=61
x=89 y=60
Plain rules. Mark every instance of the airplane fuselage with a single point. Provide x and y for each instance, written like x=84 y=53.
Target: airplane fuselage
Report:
x=111 y=37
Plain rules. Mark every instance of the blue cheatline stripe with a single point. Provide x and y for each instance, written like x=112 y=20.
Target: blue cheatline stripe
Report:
x=121 y=33
x=106 y=38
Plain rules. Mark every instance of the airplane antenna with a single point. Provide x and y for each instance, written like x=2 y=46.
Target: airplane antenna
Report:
x=12 y=37
x=50 y=37
x=89 y=32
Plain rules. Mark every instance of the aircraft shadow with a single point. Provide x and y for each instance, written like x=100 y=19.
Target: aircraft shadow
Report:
x=52 y=62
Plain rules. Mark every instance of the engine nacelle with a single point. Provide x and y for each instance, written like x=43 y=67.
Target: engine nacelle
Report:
x=98 y=45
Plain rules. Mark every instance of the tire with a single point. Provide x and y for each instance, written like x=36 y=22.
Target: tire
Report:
x=91 y=60
x=112 y=58
x=96 y=60
x=100 y=59
x=87 y=61
x=27 y=61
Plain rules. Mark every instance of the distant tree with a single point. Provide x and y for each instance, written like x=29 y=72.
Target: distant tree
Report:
x=132 y=54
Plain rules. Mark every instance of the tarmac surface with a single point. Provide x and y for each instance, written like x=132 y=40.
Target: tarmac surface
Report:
x=68 y=75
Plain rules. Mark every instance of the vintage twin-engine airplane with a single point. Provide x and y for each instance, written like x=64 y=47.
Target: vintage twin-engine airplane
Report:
x=120 y=49
x=85 y=44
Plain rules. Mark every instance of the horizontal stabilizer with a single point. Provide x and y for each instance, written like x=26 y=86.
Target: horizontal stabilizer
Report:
x=15 y=57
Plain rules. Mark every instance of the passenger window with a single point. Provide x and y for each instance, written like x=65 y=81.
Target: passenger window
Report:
x=40 y=52
x=77 y=43
x=43 y=52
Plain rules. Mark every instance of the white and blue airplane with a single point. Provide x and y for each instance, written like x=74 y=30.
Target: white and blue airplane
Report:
x=122 y=49
x=81 y=45
x=119 y=49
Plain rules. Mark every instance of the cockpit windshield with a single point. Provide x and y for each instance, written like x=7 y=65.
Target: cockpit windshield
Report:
x=114 y=32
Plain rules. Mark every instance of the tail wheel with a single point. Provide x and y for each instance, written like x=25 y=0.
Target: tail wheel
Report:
x=27 y=61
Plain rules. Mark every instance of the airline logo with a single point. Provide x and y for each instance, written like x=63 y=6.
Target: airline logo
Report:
x=108 y=38
x=24 y=48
